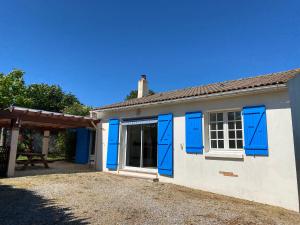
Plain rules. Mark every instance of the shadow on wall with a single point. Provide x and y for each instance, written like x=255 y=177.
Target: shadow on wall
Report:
x=19 y=206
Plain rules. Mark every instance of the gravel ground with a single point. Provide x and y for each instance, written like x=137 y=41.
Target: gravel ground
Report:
x=101 y=198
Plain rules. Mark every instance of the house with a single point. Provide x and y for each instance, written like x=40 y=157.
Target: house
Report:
x=239 y=138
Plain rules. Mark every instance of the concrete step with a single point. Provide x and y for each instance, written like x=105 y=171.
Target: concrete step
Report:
x=139 y=174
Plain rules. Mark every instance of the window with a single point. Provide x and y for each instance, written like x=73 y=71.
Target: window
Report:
x=225 y=130
x=216 y=131
x=235 y=131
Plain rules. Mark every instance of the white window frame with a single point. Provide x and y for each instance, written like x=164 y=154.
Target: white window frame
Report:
x=235 y=131
x=224 y=132
x=226 y=150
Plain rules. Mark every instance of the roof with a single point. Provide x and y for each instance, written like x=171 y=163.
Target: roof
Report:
x=33 y=118
x=206 y=90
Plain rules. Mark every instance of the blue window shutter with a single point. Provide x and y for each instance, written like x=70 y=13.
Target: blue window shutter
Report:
x=113 y=145
x=165 y=144
x=193 y=132
x=255 y=130
x=82 y=145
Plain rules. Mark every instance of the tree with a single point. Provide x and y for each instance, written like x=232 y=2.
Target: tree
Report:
x=13 y=89
x=69 y=100
x=77 y=109
x=134 y=93
x=49 y=97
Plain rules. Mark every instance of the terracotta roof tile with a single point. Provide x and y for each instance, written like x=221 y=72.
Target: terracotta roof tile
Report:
x=226 y=86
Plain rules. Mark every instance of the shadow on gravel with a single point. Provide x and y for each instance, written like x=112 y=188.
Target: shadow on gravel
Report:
x=24 y=207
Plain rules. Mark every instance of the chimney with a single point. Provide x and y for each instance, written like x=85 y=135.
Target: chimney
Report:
x=143 y=87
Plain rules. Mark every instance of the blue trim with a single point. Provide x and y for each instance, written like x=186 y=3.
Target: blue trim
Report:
x=254 y=106
x=113 y=144
x=165 y=145
x=168 y=173
x=258 y=152
x=82 y=145
x=192 y=112
x=262 y=152
x=194 y=133
x=255 y=130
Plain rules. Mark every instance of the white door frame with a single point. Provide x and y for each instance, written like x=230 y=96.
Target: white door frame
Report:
x=132 y=168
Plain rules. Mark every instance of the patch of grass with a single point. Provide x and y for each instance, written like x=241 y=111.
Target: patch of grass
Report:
x=51 y=157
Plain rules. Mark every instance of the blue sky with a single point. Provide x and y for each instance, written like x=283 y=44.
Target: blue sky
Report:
x=98 y=49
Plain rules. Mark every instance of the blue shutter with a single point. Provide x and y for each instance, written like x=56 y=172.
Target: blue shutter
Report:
x=165 y=144
x=193 y=132
x=255 y=130
x=113 y=144
x=82 y=145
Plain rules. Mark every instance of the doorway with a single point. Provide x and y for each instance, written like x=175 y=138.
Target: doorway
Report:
x=141 y=146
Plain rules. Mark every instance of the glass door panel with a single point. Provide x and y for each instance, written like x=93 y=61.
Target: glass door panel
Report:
x=133 y=154
x=149 y=152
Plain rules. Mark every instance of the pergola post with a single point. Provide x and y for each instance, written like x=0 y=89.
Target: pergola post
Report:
x=1 y=136
x=46 y=139
x=13 y=150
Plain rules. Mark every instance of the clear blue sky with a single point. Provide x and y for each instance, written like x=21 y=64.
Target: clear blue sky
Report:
x=98 y=49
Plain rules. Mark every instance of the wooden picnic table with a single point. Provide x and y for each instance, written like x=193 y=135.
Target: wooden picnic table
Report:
x=32 y=159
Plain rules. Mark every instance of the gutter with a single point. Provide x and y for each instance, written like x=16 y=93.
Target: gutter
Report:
x=240 y=92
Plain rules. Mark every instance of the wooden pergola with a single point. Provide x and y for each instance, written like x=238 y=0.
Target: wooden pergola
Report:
x=17 y=117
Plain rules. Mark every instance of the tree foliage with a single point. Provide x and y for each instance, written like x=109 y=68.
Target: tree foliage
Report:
x=77 y=109
x=49 y=97
x=66 y=143
x=134 y=93
x=13 y=91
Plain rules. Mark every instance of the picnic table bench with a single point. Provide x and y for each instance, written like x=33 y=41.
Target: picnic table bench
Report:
x=33 y=158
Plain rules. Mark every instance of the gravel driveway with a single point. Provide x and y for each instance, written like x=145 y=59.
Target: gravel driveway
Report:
x=101 y=198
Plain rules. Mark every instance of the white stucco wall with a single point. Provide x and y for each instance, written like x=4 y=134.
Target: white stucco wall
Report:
x=270 y=180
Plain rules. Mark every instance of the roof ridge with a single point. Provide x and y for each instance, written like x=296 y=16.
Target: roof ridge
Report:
x=264 y=75
x=226 y=81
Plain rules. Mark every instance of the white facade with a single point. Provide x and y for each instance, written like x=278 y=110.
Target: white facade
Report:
x=266 y=179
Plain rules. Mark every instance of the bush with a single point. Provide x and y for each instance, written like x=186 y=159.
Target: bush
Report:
x=66 y=141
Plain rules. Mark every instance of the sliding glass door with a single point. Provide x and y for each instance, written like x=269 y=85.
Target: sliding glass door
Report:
x=141 y=147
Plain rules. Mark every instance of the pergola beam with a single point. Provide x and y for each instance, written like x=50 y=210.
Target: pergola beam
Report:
x=44 y=119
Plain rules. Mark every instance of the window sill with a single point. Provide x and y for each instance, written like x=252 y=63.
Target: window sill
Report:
x=225 y=154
